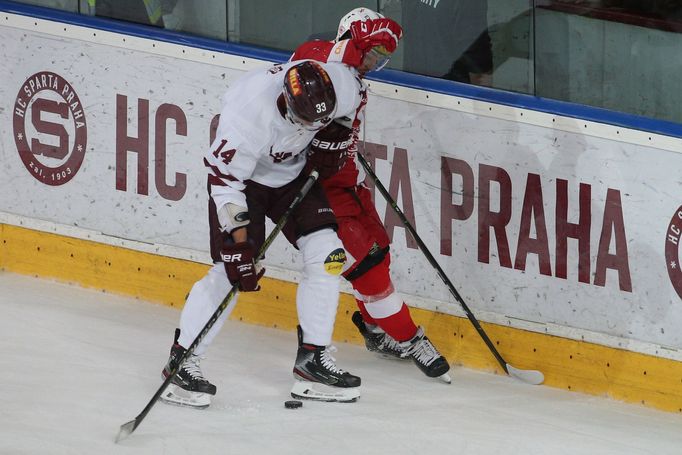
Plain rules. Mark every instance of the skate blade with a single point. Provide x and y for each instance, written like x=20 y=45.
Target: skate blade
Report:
x=386 y=356
x=306 y=390
x=445 y=378
x=180 y=397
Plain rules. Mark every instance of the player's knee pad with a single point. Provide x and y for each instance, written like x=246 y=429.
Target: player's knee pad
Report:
x=376 y=255
x=323 y=255
x=317 y=295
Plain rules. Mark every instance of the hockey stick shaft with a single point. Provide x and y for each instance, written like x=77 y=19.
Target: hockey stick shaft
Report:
x=128 y=427
x=429 y=257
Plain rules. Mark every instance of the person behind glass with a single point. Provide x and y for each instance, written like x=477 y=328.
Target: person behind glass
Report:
x=255 y=169
x=158 y=13
x=457 y=29
x=660 y=9
x=366 y=40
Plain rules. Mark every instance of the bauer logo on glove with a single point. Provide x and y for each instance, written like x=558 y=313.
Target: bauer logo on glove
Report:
x=329 y=149
x=240 y=266
x=326 y=145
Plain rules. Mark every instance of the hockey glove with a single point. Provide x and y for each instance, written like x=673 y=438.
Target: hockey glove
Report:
x=240 y=266
x=372 y=33
x=329 y=149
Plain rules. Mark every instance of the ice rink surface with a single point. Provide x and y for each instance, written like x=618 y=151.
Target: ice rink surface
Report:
x=76 y=363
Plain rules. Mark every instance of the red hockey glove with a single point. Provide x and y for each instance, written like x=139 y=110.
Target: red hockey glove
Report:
x=375 y=33
x=240 y=266
x=328 y=150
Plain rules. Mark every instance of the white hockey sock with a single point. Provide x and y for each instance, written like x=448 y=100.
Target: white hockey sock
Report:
x=317 y=296
x=203 y=299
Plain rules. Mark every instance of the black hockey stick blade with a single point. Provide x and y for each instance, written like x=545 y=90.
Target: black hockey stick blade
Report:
x=533 y=377
x=528 y=376
x=126 y=430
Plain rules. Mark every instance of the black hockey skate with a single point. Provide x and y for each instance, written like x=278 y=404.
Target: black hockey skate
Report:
x=188 y=387
x=318 y=377
x=426 y=356
x=376 y=340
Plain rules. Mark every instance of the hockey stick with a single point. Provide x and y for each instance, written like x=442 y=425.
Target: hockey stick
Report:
x=128 y=427
x=530 y=376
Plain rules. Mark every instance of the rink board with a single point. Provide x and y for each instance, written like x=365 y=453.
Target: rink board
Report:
x=567 y=364
x=556 y=231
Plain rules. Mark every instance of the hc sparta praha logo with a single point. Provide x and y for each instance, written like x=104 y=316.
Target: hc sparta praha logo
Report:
x=49 y=128
x=672 y=250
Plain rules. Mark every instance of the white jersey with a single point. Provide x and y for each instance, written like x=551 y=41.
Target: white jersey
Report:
x=255 y=142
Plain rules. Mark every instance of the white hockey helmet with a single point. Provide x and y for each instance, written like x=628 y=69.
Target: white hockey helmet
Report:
x=358 y=14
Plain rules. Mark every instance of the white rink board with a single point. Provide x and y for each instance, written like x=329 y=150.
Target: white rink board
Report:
x=531 y=159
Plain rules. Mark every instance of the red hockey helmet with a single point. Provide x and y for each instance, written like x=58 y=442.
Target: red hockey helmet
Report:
x=309 y=95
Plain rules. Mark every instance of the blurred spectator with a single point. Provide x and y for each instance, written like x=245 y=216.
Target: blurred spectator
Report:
x=448 y=39
x=158 y=13
x=664 y=9
x=64 y=5
x=171 y=19
x=657 y=10
x=660 y=9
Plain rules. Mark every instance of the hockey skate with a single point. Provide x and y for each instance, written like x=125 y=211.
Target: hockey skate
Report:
x=426 y=356
x=318 y=378
x=376 y=340
x=188 y=387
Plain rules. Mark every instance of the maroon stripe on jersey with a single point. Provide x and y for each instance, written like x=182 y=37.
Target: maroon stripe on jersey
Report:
x=213 y=180
x=218 y=174
x=363 y=101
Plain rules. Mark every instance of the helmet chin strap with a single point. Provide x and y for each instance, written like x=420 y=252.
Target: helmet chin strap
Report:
x=303 y=124
x=282 y=106
x=286 y=113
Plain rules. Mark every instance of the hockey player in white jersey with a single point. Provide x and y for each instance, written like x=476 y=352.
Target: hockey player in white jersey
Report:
x=255 y=168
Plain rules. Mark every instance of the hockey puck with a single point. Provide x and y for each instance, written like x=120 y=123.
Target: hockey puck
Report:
x=293 y=404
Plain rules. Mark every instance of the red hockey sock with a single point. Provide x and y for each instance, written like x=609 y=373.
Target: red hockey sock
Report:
x=365 y=315
x=400 y=325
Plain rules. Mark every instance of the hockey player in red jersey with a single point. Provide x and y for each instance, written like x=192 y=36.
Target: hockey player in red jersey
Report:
x=365 y=40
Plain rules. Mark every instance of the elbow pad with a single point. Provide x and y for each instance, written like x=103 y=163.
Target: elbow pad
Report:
x=232 y=216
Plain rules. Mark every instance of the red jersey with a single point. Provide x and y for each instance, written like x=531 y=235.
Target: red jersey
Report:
x=351 y=174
